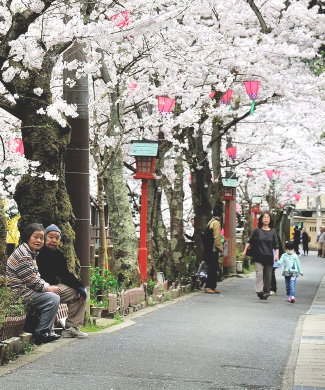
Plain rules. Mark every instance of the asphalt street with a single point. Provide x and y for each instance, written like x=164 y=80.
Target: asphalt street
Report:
x=231 y=341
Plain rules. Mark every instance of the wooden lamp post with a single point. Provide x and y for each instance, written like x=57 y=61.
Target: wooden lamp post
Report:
x=229 y=194
x=256 y=203
x=145 y=153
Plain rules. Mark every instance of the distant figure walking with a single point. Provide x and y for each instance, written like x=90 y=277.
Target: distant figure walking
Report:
x=305 y=241
x=320 y=240
x=291 y=271
x=296 y=239
x=265 y=240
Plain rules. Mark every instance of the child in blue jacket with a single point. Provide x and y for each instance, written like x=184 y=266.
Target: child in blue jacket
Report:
x=291 y=270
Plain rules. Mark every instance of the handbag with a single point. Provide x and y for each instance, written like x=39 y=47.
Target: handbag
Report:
x=251 y=251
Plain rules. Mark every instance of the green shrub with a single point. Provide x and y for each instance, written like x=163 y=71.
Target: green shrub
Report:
x=10 y=305
x=101 y=284
x=150 y=286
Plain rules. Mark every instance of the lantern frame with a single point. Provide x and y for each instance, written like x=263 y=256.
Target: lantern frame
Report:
x=256 y=203
x=145 y=153
x=229 y=188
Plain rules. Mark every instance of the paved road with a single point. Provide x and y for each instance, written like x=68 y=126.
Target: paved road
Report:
x=231 y=341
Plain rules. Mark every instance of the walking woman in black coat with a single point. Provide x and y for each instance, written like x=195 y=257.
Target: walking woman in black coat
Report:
x=265 y=240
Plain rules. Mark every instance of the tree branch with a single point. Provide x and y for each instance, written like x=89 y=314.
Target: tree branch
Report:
x=264 y=28
x=233 y=123
x=8 y=106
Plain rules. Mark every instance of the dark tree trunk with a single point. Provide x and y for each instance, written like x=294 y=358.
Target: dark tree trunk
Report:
x=3 y=240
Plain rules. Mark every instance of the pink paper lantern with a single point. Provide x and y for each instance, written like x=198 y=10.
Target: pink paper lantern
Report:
x=165 y=104
x=226 y=97
x=122 y=19
x=269 y=173
x=297 y=197
x=232 y=152
x=212 y=93
x=252 y=88
x=132 y=86
x=20 y=146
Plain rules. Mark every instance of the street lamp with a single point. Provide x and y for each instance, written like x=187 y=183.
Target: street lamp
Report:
x=256 y=203
x=229 y=194
x=145 y=153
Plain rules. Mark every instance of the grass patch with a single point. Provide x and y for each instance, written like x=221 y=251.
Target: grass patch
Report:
x=89 y=328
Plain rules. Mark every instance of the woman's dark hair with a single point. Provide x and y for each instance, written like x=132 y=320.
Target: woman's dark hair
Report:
x=289 y=245
x=29 y=230
x=260 y=223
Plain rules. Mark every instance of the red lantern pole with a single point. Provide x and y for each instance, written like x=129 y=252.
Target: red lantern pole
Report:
x=255 y=219
x=143 y=252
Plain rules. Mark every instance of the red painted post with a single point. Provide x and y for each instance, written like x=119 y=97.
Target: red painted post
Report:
x=226 y=242
x=143 y=252
x=255 y=219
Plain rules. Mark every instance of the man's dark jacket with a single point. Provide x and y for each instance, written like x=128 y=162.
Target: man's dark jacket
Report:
x=54 y=270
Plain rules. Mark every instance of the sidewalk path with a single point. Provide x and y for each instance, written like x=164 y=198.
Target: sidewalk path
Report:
x=227 y=341
x=310 y=369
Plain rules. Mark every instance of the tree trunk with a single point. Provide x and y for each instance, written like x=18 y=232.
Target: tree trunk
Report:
x=200 y=187
x=175 y=198
x=45 y=141
x=124 y=239
x=3 y=240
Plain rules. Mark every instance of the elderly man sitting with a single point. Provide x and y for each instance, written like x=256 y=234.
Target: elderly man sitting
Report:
x=54 y=270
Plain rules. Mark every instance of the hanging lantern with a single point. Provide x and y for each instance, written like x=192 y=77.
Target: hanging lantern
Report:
x=277 y=174
x=20 y=146
x=212 y=93
x=145 y=153
x=226 y=97
x=232 y=152
x=122 y=19
x=252 y=91
x=297 y=197
x=165 y=104
x=249 y=173
x=269 y=173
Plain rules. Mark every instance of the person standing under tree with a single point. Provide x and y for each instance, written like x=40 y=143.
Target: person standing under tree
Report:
x=296 y=239
x=305 y=241
x=320 y=240
x=213 y=251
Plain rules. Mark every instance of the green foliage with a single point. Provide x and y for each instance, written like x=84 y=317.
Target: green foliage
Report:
x=96 y=328
x=96 y=303
x=101 y=284
x=10 y=305
x=317 y=65
x=150 y=286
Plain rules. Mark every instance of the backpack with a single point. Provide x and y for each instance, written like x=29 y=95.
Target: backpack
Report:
x=207 y=238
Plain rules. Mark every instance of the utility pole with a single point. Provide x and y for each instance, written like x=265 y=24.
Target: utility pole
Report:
x=77 y=159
